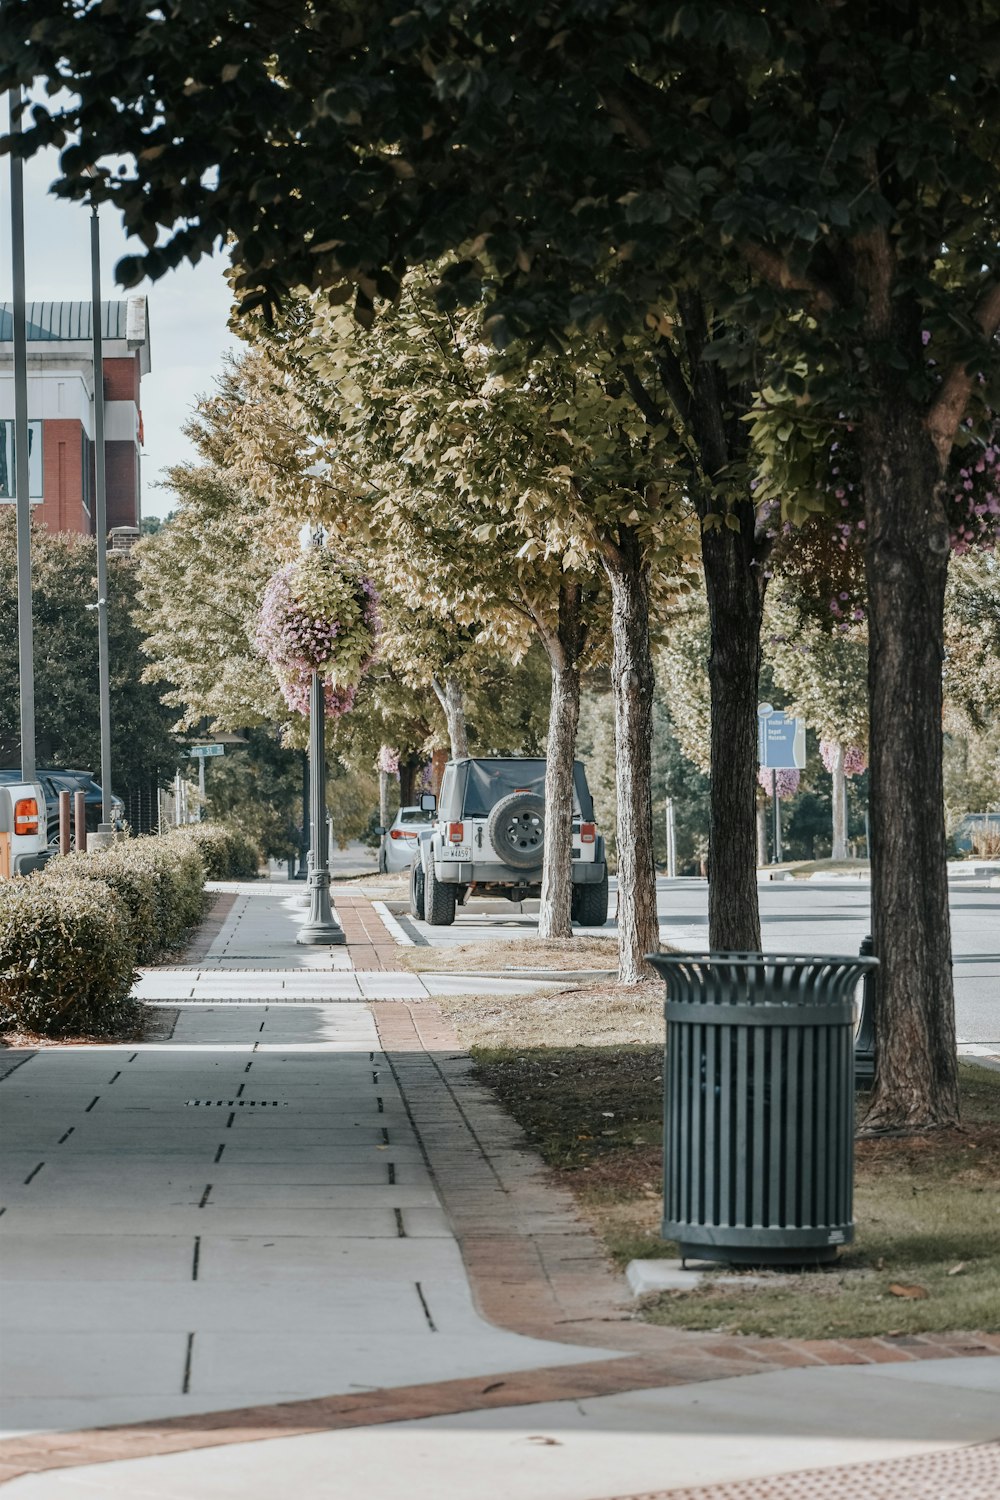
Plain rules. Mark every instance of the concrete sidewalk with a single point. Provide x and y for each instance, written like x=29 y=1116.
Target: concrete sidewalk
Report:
x=234 y=1251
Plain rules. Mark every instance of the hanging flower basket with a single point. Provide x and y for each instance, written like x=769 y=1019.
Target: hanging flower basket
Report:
x=787 y=782
x=388 y=761
x=319 y=614
x=855 y=759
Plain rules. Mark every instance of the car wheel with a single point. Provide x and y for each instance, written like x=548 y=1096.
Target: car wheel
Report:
x=517 y=830
x=417 y=891
x=590 y=903
x=439 y=900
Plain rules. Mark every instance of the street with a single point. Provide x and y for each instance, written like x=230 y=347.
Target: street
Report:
x=799 y=916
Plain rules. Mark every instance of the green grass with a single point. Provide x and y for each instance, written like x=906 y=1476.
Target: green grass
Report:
x=927 y=1208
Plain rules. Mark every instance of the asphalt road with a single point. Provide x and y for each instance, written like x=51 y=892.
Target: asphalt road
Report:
x=804 y=916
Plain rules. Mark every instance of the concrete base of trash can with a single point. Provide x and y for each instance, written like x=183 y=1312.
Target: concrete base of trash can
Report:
x=745 y=1255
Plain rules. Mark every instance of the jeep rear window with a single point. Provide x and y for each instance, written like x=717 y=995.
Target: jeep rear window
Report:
x=490 y=780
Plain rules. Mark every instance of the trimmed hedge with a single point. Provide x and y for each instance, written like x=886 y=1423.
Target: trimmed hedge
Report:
x=160 y=888
x=226 y=851
x=67 y=958
x=72 y=935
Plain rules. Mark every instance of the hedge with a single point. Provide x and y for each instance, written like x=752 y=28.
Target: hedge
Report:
x=158 y=881
x=67 y=958
x=72 y=935
x=227 y=852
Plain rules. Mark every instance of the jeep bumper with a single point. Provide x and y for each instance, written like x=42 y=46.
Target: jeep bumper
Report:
x=459 y=872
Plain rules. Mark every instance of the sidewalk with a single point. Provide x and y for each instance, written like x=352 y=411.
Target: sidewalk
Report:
x=295 y=1250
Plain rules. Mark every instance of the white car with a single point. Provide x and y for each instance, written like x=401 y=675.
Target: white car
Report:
x=23 y=836
x=399 y=841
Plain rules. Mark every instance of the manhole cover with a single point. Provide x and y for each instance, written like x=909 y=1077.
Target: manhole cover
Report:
x=237 y=1103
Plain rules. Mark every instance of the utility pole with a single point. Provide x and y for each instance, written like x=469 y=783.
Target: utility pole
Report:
x=22 y=484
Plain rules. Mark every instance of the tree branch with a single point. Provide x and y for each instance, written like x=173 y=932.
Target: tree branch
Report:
x=627 y=119
x=775 y=270
x=948 y=407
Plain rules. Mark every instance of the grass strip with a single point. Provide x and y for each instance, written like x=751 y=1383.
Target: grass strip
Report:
x=927 y=1208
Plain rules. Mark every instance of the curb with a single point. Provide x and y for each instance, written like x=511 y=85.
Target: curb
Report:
x=391 y=926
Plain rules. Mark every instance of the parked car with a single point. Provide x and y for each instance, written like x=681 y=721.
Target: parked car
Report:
x=23 y=846
x=487 y=839
x=54 y=780
x=399 y=840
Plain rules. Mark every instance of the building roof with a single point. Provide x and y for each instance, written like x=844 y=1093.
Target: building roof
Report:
x=64 y=322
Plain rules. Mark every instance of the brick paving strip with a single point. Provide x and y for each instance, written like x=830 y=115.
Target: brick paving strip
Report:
x=534 y=1266
x=971 y=1473
x=368 y=941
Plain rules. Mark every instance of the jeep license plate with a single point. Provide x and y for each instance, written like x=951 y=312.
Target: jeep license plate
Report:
x=459 y=851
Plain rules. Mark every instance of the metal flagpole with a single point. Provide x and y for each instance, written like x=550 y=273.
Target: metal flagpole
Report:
x=22 y=489
x=101 y=526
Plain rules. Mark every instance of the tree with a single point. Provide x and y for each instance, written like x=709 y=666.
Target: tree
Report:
x=508 y=486
x=829 y=196
x=67 y=719
x=201 y=580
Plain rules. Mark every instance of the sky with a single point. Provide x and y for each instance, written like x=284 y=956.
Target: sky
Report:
x=188 y=310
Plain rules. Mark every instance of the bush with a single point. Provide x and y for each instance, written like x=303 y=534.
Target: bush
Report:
x=157 y=880
x=180 y=873
x=67 y=958
x=226 y=851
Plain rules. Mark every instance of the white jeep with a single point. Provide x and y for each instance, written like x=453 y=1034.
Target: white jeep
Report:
x=488 y=837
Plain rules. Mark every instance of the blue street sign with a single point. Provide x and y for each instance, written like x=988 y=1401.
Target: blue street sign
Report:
x=781 y=742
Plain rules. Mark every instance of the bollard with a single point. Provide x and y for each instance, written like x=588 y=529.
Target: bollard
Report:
x=65 y=817
x=80 y=821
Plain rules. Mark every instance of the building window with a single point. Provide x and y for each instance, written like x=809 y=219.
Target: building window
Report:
x=87 y=486
x=7 y=469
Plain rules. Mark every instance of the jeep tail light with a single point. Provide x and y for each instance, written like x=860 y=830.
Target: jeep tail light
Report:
x=588 y=833
x=26 y=816
x=456 y=833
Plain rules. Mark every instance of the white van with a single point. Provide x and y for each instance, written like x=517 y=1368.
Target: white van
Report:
x=23 y=829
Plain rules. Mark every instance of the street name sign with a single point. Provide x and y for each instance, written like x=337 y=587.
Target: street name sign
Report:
x=205 y=752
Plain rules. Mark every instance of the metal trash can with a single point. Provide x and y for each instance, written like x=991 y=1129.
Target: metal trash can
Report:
x=759 y=1105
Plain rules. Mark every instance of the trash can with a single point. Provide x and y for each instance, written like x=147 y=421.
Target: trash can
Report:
x=759 y=1105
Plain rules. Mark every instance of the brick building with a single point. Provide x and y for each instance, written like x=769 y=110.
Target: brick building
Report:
x=61 y=410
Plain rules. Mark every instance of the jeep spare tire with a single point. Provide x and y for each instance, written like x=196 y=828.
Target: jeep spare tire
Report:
x=517 y=830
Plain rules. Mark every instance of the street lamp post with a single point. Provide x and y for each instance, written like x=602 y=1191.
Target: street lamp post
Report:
x=322 y=926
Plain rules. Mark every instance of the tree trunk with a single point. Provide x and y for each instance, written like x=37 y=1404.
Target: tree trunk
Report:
x=735 y=589
x=408 y=769
x=632 y=682
x=839 y=845
x=563 y=648
x=383 y=798
x=451 y=697
x=733 y=557
x=906 y=561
